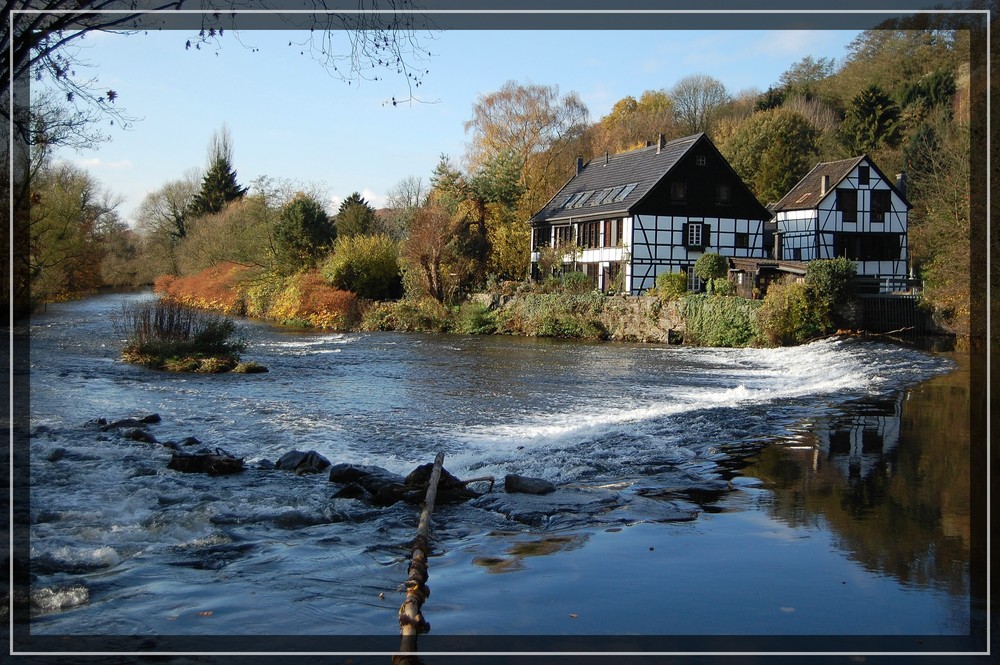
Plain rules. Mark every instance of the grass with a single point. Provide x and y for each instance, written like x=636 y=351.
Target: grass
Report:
x=163 y=334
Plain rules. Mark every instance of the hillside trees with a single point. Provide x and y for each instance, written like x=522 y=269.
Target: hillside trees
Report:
x=697 y=100
x=162 y=219
x=632 y=122
x=771 y=151
x=872 y=122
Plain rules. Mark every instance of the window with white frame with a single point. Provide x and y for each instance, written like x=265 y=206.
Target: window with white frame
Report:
x=695 y=234
x=694 y=282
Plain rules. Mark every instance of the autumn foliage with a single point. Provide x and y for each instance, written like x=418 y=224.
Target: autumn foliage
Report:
x=304 y=298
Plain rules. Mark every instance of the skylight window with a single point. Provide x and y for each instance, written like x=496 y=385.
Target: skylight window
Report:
x=583 y=199
x=626 y=190
x=598 y=198
x=804 y=197
x=571 y=201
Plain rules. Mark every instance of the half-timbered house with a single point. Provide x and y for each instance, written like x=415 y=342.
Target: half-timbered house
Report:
x=847 y=208
x=624 y=219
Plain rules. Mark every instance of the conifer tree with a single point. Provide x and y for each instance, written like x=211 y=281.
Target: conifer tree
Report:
x=219 y=186
x=355 y=217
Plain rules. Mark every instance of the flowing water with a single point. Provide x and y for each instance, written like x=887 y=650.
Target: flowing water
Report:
x=723 y=479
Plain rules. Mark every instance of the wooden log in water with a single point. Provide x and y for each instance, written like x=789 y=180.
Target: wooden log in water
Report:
x=411 y=620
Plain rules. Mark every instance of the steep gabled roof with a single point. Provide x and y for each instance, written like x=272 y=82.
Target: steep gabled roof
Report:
x=809 y=191
x=624 y=179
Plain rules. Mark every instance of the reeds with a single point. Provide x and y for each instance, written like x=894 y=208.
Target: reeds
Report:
x=156 y=331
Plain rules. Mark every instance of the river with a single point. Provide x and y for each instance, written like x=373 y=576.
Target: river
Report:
x=821 y=490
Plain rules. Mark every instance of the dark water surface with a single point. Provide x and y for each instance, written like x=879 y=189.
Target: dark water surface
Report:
x=819 y=490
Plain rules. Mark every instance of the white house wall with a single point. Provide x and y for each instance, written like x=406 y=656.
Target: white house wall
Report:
x=656 y=245
x=808 y=235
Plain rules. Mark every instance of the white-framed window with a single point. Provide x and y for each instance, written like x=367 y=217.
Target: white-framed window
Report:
x=695 y=234
x=694 y=282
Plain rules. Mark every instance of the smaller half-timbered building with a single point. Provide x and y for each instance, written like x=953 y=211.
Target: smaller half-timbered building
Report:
x=624 y=219
x=847 y=208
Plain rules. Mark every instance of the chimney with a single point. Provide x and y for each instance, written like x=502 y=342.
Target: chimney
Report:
x=579 y=165
x=824 y=185
x=660 y=142
x=901 y=183
x=607 y=157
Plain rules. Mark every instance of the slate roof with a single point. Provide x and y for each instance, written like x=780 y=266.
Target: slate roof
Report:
x=809 y=191
x=643 y=168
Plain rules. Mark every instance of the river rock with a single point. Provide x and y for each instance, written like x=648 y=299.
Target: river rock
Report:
x=302 y=462
x=372 y=478
x=450 y=488
x=140 y=435
x=569 y=507
x=216 y=463
x=151 y=419
x=527 y=485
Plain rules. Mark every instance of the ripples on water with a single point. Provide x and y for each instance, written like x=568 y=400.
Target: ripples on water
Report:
x=136 y=547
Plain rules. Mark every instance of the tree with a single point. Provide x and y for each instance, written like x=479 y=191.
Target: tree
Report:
x=163 y=218
x=632 y=122
x=219 y=186
x=872 y=122
x=355 y=217
x=402 y=202
x=771 y=151
x=711 y=266
x=802 y=77
x=304 y=233
x=64 y=253
x=538 y=126
x=425 y=250
x=697 y=98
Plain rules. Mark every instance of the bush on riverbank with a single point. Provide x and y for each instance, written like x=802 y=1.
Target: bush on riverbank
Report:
x=554 y=315
x=165 y=334
x=714 y=320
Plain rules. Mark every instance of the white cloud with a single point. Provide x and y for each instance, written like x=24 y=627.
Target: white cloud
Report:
x=97 y=163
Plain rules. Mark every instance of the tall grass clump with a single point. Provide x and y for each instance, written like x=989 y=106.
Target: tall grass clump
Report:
x=720 y=321
x=166 y=334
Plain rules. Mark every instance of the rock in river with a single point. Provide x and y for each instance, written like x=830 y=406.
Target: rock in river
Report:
x=527 y=485
x=216 y=463
x=302 y=462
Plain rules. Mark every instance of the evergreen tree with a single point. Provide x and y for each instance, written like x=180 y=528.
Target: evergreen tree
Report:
x=304 y=232
x=219 y=186
x=871 y=122
x=355 y=217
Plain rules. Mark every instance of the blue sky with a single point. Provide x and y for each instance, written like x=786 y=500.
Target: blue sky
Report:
x=290 y=120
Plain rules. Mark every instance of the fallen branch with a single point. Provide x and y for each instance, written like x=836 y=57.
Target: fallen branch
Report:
x=411 y=621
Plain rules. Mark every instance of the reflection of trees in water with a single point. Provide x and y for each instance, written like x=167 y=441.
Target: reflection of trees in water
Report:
x=890 y=479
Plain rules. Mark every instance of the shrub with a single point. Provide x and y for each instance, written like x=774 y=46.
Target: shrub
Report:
x=475 y=319
x=214 y=288
x=554 y=315
x=366 y=265
x=720 y=321
x=789 y=314
x=711 y=266
x=720 y=286
x=577 y=283
x=671 y=285
x=831 y=279
x=422 y=315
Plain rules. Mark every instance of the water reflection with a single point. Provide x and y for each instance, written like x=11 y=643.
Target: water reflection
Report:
x=891 y=479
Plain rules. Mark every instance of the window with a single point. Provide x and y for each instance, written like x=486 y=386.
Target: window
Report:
x=563 y=235
x=697 y=235
x=867 y=246
x=612 y=232
x=699 y=160
x=541 y=237
x=625 y=191
x=694 y=282
x=863 y=175
x=742 y=240
x=847 y=204
x=583 y=199
x=598 y=198
x=723 y=194
x=590 y=235
x=694 y=235
x=571 y=201
x=881 y=204
x=678 y=191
